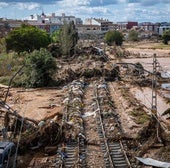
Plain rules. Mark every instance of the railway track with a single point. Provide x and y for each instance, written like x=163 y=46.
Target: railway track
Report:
x=74 y=151
x=71 y=153
x=109 y=129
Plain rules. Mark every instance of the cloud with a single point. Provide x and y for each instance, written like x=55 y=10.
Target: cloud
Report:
x=32 y=1
x=133 y=10
x=81 y=8
x=92 y=3
x=148 y=2
x=102 y=2
x=27 y=6
x=89 y=3
x=3 y=4
x=154 y=13
x=75 y=3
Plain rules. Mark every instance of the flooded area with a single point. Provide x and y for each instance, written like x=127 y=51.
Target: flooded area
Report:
x=144 y=95
x=165 y=90
x=165 y=86
x=147 y=62
x=146 y=52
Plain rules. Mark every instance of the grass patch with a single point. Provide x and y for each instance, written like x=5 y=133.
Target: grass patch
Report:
x=140 y=116
x=10 y=64
x=160 y=46
x=4 y=80
x=146 y=45
x=129 y=46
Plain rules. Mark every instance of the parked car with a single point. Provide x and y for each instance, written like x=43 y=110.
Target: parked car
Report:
x=7 y=155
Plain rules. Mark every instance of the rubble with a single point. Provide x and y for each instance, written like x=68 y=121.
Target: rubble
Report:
x=48 y=134
x=73 y=123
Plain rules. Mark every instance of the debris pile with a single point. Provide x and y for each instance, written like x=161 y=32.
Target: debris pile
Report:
x=119 y=52
x=89 y=69
x=32 y=134
x=14 y=123
x=70 y=151
x=72 y=117
x=48 y=133
x=108 y=113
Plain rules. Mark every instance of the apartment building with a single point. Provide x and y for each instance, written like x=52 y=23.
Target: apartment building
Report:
x=148 y=26
x=50 y=23
x=105 y=24
x=126 y=25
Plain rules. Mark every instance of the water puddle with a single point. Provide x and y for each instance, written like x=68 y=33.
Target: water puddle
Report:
x=145 y=97
x=166 y=95
x=165 y=86
x=165 y=90
x=165 y=75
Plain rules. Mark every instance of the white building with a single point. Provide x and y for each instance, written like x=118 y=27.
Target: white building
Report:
x=53 y=19
x=161 y=29
x=92 y=21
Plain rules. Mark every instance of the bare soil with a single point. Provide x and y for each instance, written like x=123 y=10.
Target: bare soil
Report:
x=40 y=104
x=37 y=104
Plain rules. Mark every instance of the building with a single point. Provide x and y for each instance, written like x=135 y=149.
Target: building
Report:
x=126 y=25
x=130 y=25
x=53 y=19
x=51 y=23
x=88 y=28
x=105 y=24
x=161 y=29
x=92 y=21
x=6 y=25
x=148 y=26
x=4 y=28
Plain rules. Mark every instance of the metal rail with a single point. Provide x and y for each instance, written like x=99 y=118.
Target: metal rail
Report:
x=113 y=158
x=115 y=154
x=71 y=156
x=102 y=132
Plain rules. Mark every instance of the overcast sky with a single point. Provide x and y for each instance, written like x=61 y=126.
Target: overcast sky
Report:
x=114 y=10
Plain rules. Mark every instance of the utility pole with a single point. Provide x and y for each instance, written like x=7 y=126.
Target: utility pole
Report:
x=154 y=88
x=154 y=96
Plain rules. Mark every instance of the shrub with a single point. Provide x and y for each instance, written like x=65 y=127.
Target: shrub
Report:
x=114 y=37
x=40 y=68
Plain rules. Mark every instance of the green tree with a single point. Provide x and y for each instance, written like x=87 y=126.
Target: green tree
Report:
x=27 y=38
x=114 y=37
x=68 y=39
x=55 y=46
x=2 y=45
x=55 y=49
x=40 y=68
x=55 y=37
x=166 y=36
x=133 y=35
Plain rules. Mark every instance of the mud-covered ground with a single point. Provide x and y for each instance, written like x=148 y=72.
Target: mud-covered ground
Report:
x=40 y=104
